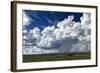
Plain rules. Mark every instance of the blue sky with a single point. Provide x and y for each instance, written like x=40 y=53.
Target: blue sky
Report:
x=43 y=19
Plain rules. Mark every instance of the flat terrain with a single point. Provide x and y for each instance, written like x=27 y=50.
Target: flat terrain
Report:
x=56 y=57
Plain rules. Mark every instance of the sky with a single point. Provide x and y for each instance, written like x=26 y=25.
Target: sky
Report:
x=55 y=32
x=43 y=19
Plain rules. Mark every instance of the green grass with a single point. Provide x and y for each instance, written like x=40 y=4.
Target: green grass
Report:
x=56 y=57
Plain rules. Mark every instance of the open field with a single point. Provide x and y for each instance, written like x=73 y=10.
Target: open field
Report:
x=56 y=57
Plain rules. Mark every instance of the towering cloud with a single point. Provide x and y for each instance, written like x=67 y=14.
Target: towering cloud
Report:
x=67 y=36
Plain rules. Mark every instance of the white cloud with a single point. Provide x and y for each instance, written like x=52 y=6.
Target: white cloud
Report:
x=47 y=38
x=25 y=32
x=48 y=30
x=69 y=36
x=36 y=50
x=26 y=19
x=24 y=37
x=86 y=19
x=35 y=33
x=66 y=22
x=46 y=42
x=58 y=33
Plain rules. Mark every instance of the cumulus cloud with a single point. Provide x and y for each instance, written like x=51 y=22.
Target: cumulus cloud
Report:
x=86 y=19
x=47 y=38
x=67 y=36
x=35 y=33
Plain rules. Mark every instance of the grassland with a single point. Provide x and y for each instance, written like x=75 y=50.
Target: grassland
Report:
x=56 y=57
